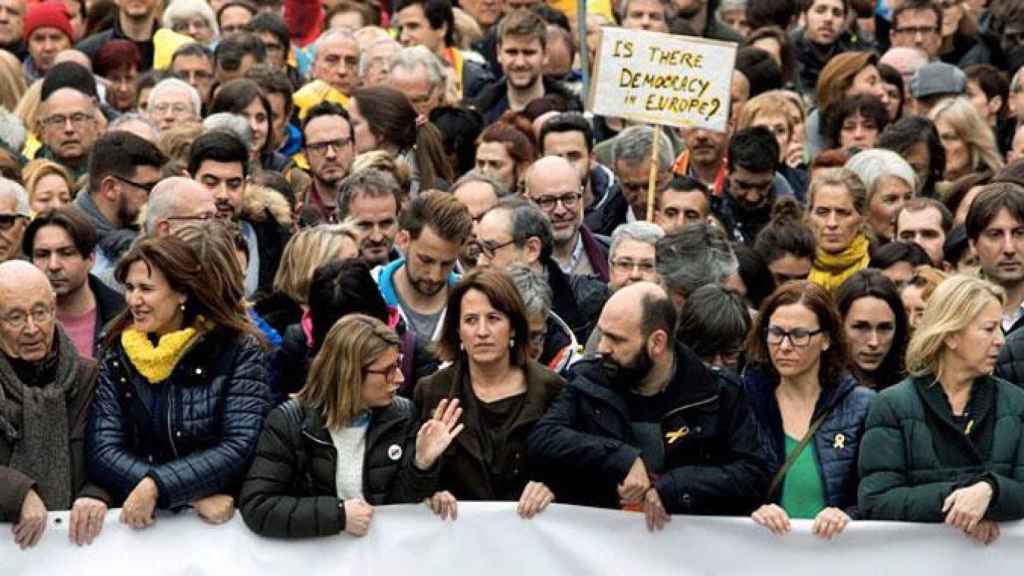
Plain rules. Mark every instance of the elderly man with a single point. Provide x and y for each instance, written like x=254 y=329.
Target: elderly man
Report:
x=173 y=101
x=553 y=184
x=68 y=120
x=478 y=192
x=375 y=63
x=335 y=71
x=176 y=201
x=47 y=31
x=649 y=424
x=906 y=60
x=14 y=216
x=632 y=256
x=12 y=26
x=698 y=254
x=417 y=72
x=45 y=392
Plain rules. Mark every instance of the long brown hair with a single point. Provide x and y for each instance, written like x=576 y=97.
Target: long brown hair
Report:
x=818 y=301
x=211 y=283
x=392 y=119
x=503 y=295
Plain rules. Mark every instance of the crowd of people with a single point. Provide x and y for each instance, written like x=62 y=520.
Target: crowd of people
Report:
x=297 y=260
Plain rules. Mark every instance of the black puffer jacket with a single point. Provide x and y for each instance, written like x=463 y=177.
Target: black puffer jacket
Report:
x=1010 y=366
x=193 y=434
x=291 y=492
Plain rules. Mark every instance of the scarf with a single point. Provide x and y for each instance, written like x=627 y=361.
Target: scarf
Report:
x=454 y=58
x=156 y=363
x=34 y=420
x=113 y=242
x=831 y=270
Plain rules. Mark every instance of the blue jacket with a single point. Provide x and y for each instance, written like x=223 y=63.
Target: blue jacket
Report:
x=194 y=433
x=385 y=278
x=837 y=441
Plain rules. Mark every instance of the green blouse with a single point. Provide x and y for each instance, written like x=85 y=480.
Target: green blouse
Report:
x=802 y=492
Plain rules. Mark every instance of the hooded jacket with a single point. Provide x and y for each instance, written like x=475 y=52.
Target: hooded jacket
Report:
x=270 y=216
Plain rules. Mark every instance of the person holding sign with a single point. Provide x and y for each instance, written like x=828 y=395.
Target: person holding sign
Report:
x=811 y=411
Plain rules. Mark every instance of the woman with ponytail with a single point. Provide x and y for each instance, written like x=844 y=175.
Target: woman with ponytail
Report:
x=384 y=119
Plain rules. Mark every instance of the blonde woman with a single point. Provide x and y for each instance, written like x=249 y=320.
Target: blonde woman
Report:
x=49 y=185
x=969 y=142
x=304 y=253
x=836 y=203
x=945 y=445
x=346 y=442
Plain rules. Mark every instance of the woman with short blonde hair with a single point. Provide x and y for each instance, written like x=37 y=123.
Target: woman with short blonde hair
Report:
x=837 y=200
x=969 y=142
x=49 y=185
x=943 y=445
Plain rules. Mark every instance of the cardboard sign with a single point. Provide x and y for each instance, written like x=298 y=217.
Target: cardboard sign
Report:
x=662 y=78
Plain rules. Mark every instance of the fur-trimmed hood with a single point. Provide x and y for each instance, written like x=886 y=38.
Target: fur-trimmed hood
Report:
x=259 y=201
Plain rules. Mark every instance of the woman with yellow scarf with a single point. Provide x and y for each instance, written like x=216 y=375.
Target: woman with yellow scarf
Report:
x=836 y=204
x=183 y=388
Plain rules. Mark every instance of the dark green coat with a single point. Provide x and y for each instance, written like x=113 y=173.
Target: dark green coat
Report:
x=914 y=455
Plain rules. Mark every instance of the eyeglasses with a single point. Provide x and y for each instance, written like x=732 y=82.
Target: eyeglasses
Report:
x=913 y=31
x=147 y=186
x=798 y=337
x=186 y=25
x=18 y=319
x=321 y=148
x=489 y=248
x=548 y=203
x=78 y=120
x=625 y=265
x=7 y=221
x=390 y=373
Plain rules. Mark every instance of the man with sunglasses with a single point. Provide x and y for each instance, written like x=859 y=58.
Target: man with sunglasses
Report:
x=123 y=169
x=553 y=184
x=14 y=216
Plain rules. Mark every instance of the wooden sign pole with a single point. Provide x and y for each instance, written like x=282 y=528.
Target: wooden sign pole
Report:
x=652 y=178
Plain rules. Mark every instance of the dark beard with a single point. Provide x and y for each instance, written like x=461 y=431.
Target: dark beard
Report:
x=629 y=375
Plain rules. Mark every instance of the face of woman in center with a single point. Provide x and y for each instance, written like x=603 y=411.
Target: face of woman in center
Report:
x=958 y=158
x=870 y=326
x=259 y=122
x=834 y=218
x=789 y=360
x=484 y=330
x=977 y=346
x=155 y=306
x=382 y=379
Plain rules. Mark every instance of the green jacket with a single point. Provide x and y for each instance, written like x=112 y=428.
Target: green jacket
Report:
x=914 y=454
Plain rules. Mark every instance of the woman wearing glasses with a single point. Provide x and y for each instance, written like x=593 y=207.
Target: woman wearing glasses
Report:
x=947 y=443
x=346 y=442
x=484 y=340
x=811 y=412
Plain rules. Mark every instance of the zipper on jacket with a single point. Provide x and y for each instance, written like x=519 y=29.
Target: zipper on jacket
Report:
x=690 y=405
x=317 y=440
x=170 y=415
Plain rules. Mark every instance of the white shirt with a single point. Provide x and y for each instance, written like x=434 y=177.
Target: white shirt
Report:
x=350 y=443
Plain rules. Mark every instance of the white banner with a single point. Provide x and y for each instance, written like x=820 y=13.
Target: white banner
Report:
x=489 y=539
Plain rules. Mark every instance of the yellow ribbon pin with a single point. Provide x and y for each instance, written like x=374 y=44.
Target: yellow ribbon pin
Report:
x=673 y=436
x=839 y=442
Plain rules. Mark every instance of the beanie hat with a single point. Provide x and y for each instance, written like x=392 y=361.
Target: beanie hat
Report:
x=68 y=75
x=48 y=15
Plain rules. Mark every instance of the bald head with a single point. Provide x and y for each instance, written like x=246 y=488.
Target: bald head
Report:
x=637 y=328
x=906 y=61
x=26 y=299
x=72 y=55
x=176 y=201
x=551 y=172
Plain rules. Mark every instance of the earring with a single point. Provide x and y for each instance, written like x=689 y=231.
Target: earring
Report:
x=462 y=347
x=182 y=306
x=511 y=342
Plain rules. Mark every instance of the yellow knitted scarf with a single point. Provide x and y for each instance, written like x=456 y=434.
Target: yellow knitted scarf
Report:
x=831 y=270
x=156 y=363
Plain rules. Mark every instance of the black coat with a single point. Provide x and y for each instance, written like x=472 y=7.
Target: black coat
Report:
x=492 y=101
x=576 y=299
x=1010 y=366
x=585 y=445
x=193 y=433
x=108 y=305
x=290 y=490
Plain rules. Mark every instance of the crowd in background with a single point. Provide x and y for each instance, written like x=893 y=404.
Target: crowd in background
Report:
x=298 y=259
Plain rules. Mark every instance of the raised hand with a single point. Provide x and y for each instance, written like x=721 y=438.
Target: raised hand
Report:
x=32 y=522
x=535 y=498
x=137 y=510
x=437 y=433
x=215 y=509
x=87 y=516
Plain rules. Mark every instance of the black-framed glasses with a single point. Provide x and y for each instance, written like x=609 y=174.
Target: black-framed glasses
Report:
x=798 y=337
x=913 y=31
x=548 y=203
x=147 y=186
x=489 y=248
x=7 y=220
x=390 y=373
x=321 y=148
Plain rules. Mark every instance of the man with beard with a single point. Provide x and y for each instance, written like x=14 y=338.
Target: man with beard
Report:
x=553 y=184
x=69 y=119
x=328 y=136
x=432 y=232
x=704 y=157
x=62 y=242
x=137 y=20
x=701 y=16
x=123 y=168
x=571 y=136
x=648 y=425
x=219 y=161
x=823 y=36
x=752 y=185
x=369 y=199
x=522 y=40
x=994 y=225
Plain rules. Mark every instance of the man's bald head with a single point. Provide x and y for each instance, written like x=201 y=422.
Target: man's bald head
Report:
x=27 y=305
x=549 y=171
x=177 y=200
x=72 y=55
x=643 y=307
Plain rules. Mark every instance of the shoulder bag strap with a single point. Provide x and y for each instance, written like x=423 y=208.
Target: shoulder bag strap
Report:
x=791 y=459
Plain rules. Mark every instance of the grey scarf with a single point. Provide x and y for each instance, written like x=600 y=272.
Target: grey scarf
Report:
x=34 y=420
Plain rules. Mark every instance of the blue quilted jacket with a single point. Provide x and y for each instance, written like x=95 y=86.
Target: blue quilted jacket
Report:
x=193 y=433
x=837 y=441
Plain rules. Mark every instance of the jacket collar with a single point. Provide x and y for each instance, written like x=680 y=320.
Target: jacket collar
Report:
x=934 y=399
x=597 y=257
